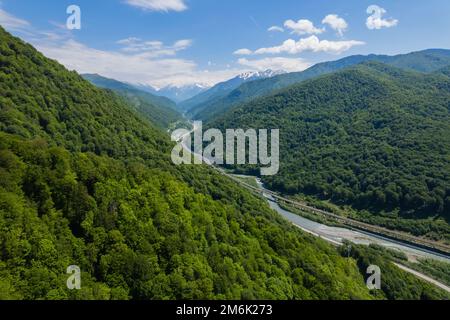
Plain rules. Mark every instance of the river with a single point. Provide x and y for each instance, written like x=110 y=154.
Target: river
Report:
x=335 y=235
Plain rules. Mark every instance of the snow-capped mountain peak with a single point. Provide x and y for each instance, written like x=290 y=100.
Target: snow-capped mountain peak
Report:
x=260 y=74
x=178 y=93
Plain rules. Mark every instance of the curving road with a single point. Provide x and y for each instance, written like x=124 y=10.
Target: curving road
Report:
x=423 y=277
x=337 y=235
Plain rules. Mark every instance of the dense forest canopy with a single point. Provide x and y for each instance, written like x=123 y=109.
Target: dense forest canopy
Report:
x=371 y=136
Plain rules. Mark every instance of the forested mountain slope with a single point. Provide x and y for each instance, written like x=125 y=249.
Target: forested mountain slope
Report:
x=161 y=111
x=422 y=61
x=373 y=137
x=84 y=181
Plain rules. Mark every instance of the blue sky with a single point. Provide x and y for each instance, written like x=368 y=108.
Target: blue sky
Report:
x=182 y=42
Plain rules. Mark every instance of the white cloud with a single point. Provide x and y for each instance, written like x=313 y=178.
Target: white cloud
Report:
x=182 y=44
x=311 y=43
x=302 y=26
x=10 y=22
x=243 y=52
x=275 y=28
x=158 y=5
x=125 y=67
x=133 y=44
x=153 y=49
x=276 y=63
x=376 y=21
x=336 y=23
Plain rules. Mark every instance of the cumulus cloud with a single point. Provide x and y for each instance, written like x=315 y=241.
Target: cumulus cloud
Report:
x=243 y=52
x=376 y=21
x=311 y=43
x=336 y=23
x=276 y=63
x=158 y=5
x=302 y=26
x=275 y=29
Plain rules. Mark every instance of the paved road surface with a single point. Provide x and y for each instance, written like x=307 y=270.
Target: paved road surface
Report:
x=337 y=235
x=424 y=277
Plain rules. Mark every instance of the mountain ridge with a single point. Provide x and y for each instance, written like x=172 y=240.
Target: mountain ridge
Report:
x=161 y=111
x=427 y=60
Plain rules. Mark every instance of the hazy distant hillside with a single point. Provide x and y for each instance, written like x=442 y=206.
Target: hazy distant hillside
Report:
x=112 y=84
x=197 y=103
x=177 y=94
x=160 y=110
x=423 y=61
x=373 y=136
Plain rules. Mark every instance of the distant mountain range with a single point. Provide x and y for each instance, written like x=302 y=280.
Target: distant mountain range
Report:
x=161 y=111
x=200 y=102
x=207 y=106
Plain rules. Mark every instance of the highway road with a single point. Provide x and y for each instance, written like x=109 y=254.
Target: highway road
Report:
x=337 y=235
